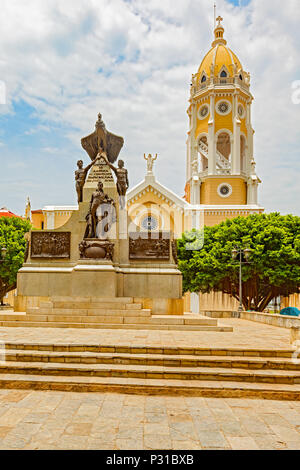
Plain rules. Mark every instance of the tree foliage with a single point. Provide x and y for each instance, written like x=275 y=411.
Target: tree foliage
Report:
x=12 y=231
x=274 y=267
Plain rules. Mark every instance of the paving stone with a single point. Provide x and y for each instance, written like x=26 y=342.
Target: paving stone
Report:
x=242 y=443
x=286 y=433
x=269 y=442
x=155 y=418
x=233 y=429
x=36 y=418
x=212 y=439
x=98 y=444
x=129 y=444
x=129 y=433
x=72 y=442
x=157 y=442
x=79 y=429
x=4 y=430
x=155 y=428
x=14 y=396
x=186 y=445
x=13 y=416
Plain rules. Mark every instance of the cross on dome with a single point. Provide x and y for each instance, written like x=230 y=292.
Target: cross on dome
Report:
x=219 y=19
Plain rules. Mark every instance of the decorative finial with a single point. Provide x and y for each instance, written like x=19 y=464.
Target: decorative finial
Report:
x=219 y=32
x=219 y=19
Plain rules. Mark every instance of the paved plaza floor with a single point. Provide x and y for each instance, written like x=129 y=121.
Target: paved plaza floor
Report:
x=246 y=334
x=55 y=420
x=68 y=420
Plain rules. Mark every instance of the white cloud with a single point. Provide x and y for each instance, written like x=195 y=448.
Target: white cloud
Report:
x=133 y=60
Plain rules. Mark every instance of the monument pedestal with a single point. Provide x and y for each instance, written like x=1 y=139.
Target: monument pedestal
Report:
x=94 y=278
x=93 y=255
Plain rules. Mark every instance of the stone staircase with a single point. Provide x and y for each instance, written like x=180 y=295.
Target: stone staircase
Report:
x=229 y=372
x=120 y=313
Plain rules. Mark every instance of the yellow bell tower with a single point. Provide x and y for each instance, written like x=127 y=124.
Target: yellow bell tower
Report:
x=220 y=164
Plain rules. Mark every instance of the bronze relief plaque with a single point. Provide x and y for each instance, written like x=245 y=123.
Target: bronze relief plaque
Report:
x=149 y=245
x=50 y=244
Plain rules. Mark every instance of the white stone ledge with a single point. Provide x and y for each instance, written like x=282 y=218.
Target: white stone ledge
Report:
x=273 y=319
x=45 y=270
x=94 y=267
x=148 y=271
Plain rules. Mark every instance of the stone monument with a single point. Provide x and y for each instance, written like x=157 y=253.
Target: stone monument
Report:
x=95 y=254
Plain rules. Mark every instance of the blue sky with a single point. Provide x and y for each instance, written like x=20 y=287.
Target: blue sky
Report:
x=63 y=62
x=239 y=3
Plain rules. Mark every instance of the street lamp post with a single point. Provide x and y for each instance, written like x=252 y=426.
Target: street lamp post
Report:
x=238 y=252
x=3 y=251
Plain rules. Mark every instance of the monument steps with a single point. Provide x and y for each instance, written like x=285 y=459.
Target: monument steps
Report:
x=150 y=372
x=141 y=326
x=94 y=312
x=151 y=359
x=152 y=387
x=156 y=350
x=216 y=372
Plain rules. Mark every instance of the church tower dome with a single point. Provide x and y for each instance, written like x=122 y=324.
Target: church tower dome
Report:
x=220 y=163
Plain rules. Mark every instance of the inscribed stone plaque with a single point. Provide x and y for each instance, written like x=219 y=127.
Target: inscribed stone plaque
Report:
x=100 y=172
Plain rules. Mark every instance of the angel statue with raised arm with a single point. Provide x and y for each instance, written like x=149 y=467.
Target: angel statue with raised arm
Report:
x=150 y=161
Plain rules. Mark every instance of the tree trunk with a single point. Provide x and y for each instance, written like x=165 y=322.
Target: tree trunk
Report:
x=4 y=289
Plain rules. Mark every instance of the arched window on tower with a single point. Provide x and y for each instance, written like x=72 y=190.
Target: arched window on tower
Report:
x=243 y=154
x=203 y=79
x=223 y=74
x=223 y=152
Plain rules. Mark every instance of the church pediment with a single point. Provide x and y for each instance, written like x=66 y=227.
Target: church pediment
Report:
x=152 y=190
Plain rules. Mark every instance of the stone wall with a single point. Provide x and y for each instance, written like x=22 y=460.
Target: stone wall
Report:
x=273 y=319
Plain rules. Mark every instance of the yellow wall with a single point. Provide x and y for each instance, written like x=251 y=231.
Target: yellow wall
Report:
x=209 y=193
x=202 y=124
x=215 y=217
x=173 y=219
x=61 y=217
x=223 y=122
x=37 y=219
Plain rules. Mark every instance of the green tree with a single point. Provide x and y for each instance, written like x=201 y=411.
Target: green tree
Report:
x=274 y=267
x=12 y=231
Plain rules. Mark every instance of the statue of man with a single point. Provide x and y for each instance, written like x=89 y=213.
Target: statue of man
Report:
x=122 y=180
x=80 y=177
x=150 y=161
x=98 y=198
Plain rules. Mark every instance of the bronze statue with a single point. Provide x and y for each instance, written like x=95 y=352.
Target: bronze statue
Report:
x=122 y=180
x=99 y=198
x=101 y=140
x=80 y=177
